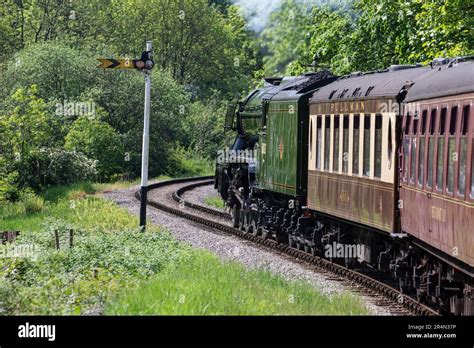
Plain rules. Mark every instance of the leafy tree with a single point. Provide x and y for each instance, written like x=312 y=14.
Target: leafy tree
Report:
x=330 y=42
x=60 y=72
x=377 y=33
x=98 y=141
x=287 y=36
x=24 y=127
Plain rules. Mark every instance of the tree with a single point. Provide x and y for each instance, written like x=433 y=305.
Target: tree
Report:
x=375 y=34
x=287 y=36
x=60 y=72
x=98 y=141
x=25 y=126
x=330 y=42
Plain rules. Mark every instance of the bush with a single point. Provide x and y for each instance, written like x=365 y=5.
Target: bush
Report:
x=189 y=163
x=48 y=167
x=98 y=141
x=31 y=202
x=60 y=71
x=8 y=190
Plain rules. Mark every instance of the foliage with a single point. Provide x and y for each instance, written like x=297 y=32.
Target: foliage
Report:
x=31 y=202
x=329 y=42
x=214 y=201
x=8 y=189
x=25 y=126
x=204 y=128
x=114 y=265
x=286 y=37
x=56 y=166
x=201 y=43
x=375 y=34
x=59 y=71
x=98 y=141
x=188 y=162
x=75 y=280
x=28 y=147
x=205 y=286
x=28 y=203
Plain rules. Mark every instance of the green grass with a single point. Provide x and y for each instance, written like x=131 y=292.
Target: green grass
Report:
x=214 y=201
x=205 y=286
x=76 y=205
x=115 y=266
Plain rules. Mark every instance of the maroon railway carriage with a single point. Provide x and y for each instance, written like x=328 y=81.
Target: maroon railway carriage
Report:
x=390 y=169
x=437 y=180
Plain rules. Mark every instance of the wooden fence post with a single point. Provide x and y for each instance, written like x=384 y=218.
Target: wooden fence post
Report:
x=71 y=238
x=56 y=238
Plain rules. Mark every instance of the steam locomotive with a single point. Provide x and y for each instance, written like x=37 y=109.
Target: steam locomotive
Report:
x=381 y=160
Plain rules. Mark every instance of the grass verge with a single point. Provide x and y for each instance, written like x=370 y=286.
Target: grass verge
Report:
x=205 y=286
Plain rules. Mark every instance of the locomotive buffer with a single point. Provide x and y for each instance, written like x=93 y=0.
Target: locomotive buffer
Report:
x=145 y=64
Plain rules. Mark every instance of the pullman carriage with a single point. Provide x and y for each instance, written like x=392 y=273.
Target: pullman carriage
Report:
x=352 y=171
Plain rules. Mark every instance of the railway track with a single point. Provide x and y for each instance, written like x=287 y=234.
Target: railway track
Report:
x=384 y=294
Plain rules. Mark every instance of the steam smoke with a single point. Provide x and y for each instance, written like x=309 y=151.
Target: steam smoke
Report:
x=258 y=12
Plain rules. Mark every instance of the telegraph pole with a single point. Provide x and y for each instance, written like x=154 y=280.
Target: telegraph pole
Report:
x=146 y=139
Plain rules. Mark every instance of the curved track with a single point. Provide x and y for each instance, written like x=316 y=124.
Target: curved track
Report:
x=399 y=303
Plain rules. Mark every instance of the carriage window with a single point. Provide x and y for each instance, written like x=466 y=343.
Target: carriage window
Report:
x=429 y=181
x=406 y=148
x=390 y=144
x=378 y=146
x=442 y=121
x=432 y=121
x=423 y=122
x=345 y=144
x=421 y=162
x=327 y=141
x=366 y=164
x=440 y=164
x=452 y=154
x=335 y=158
x=356 y=135
x=462 y=167
x=413 y=152
x=431 y=145
x=465 y=120
x=407 y=123
x=452 y=121
x=318 y=142
x=463 y=152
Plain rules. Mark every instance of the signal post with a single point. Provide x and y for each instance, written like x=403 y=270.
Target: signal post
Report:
x=144 y=64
